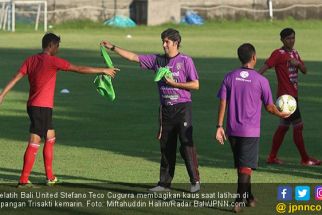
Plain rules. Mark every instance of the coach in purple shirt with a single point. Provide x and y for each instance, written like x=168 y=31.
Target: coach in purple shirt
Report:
x=175 y=109
x=243 y=91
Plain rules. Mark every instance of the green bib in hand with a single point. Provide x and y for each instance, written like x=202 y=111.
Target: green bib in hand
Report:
x=162 y=72
x=103 y=83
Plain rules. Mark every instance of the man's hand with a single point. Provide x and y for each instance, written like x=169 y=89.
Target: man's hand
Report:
x=298 y=64
x=106 y=44
x=170 y=82
x=220 y=135
x=284 y=115
x=111 y=71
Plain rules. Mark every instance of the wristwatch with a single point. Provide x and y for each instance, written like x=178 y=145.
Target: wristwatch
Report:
x=218 y=126
x=112 y=48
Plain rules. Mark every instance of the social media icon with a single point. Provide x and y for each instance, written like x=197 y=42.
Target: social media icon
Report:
x=302 y=193
x=318 y=193
x=284 y=193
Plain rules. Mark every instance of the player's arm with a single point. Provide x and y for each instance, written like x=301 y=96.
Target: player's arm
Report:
x=131 y=56
x=190 y=85
x=93 y=70
x=10 y=85
x=302 y=68
x=220 y=133
x=272 y=109
x=263 y=69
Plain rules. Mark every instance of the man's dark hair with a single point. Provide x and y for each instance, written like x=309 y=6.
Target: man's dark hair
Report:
x=171 y=34
x=50 y=38
x=245 y=52
x=286 y=32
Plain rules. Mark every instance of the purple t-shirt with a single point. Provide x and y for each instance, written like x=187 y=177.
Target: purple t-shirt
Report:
x=182 y=69
x=244 y=91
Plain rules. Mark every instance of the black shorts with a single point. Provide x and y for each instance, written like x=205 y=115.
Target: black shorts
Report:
x=294 y=118
x=40 y=120
x=176 y=120
x=245 y=151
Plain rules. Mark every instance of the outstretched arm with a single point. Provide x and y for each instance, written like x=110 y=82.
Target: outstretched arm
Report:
x=191 y=85
x=10 y=85
x=220 y=133
x=131 y=56
x=93 y=70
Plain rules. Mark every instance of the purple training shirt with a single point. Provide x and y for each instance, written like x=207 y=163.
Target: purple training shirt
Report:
x=182 y=69
x=244 y=91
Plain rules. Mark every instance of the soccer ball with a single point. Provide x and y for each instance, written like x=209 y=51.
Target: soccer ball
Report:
x=286 y=103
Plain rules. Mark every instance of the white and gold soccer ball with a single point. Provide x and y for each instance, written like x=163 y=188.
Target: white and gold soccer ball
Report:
x=286 y=103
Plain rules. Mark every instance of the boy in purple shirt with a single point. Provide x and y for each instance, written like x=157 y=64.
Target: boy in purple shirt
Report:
x=175 y=109
x=243 y=91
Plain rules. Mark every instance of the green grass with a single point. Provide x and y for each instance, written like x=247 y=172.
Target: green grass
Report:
x=102 y=141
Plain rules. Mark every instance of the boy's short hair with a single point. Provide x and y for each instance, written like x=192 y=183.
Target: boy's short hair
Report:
x=286 y=32
x=171 y=34
x=245 y=52
x=50 y=38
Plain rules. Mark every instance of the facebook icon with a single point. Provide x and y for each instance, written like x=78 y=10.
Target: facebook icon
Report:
x=284 y=193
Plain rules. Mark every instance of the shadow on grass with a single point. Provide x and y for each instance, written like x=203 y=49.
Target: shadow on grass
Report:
x=92 y=185
x=128 y=126
x=212 y=199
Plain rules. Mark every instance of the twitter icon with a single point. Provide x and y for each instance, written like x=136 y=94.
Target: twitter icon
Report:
x=302 y=193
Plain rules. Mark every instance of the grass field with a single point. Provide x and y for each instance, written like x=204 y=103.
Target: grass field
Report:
x=114 y=142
